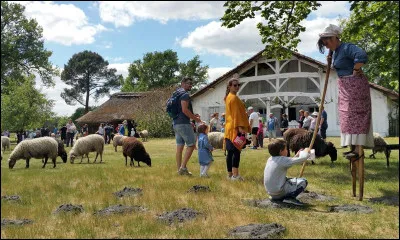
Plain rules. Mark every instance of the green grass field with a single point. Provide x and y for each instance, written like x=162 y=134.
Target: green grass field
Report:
x=92 y=185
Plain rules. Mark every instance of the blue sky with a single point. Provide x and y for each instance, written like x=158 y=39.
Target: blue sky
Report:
x=122 y=32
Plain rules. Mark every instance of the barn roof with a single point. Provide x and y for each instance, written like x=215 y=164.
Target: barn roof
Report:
x=121 y=106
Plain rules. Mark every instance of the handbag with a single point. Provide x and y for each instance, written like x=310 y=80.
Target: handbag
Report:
x=240 y=141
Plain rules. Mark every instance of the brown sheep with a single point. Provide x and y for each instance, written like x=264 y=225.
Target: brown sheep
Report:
x=134 y=148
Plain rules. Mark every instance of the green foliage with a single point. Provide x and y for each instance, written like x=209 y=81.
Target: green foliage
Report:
x=281 y=29
x=162 y=69
x=22 y=50
x=26 y=107
x=374 y=26
x=88 y=74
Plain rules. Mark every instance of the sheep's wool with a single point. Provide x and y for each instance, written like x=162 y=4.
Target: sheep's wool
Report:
x=216 y=139
x=35 y=148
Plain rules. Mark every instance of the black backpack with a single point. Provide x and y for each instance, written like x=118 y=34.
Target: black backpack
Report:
x=173 y=104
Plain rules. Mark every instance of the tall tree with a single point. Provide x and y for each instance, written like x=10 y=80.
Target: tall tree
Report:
x=22 y=50
x=26 y=107
x=281 y=29
x=88 y=74
x=162 y=69
x=374 y=26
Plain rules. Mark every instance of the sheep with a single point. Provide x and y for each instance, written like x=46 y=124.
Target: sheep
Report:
x=44 y=147
x=298 y=138
x=133 y=148
x=216 y=139
x=61 y=151
x=5 y=142
x=379 y=146
x=144 y=134
x=84 y=145
x=117 y=140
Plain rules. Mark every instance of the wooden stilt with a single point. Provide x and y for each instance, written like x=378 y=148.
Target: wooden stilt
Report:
x=353 y=167
x=361 y=172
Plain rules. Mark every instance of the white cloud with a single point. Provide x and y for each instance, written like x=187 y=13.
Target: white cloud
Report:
x=214 y=73
x=239 y=43
x=122 y=13
x=122 y=68
x=332 y=9
x=62 y=23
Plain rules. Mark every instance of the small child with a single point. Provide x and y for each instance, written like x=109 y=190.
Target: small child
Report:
x=278 y=186
x=204 y=150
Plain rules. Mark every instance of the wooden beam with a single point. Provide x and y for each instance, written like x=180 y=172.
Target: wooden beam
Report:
x=282 y=94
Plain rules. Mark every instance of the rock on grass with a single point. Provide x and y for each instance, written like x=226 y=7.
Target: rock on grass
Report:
x=179 y=215
x=127 y=191
x=257 y=231
x=388 y=200
x=69 y=208
x=119 y=209
x=199 y=188
x=351 y=208
x=18 y=222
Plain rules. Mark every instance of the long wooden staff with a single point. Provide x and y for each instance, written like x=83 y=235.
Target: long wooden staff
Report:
x=321 y=108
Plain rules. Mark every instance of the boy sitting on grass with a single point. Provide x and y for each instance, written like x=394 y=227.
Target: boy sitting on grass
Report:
x=278 y=186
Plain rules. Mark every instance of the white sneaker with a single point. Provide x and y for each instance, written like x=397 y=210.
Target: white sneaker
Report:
x=204 y=175
x=237 y=178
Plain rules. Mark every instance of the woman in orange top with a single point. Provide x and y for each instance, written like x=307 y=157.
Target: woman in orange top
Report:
x=236 y=124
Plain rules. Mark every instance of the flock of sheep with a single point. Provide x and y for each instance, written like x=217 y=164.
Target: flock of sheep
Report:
x=50 y=148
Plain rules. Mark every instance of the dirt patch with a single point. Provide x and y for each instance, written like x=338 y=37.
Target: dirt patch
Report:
x=5 y=222
x=69 y=208
x=351 y=208
x=199 y=188
x=119 y=209
x=258 y=231
x=267 y=203
x=307 y=196
x=179 y=215
x=12 y=198
x=388 y=200
x=129 y=192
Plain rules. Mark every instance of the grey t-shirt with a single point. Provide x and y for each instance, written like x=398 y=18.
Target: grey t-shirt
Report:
x=275 y=173
x=182 y=118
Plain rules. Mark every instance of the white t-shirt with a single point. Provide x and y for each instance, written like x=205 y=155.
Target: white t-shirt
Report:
x=254 y=116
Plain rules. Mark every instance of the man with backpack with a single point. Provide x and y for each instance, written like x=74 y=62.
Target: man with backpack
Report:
x=179 y=108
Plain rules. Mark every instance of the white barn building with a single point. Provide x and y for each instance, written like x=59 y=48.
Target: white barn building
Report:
x=287 y=86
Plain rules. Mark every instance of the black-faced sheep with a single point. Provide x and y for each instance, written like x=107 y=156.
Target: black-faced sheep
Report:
x=144 y=135
x=45 y=147
x=117 y=140
x=5 y=142
x=84 y=145
x=298 y=138
x=61 y=151
x=133 y=148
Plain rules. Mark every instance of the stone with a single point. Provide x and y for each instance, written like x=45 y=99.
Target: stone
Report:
x=119 y=209
x=69 y=208
x=258 y=231
x=15 y=198
x=129 y=192
x=351 y=208
x=388 y=200
x=313 y=196
x=179 y=215
x=199 y=188
x=267 y=203
x=18 y=222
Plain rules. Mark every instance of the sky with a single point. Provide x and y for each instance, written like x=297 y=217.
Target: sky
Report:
x=122 y=32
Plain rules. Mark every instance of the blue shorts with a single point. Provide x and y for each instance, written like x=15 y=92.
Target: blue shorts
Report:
x=184 y=134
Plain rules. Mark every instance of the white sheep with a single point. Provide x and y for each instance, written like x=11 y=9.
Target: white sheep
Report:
x=216 y=139
x=117 y=140
x=84 y=145
x=44 y=147
x=144 y=134
x=5 y=142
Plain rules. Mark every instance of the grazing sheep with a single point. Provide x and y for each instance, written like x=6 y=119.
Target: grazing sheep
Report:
x=5 y=142
x=117 y=140
x=144 y=134
x=298 y=138
x=133 y=148
x=44 y=147
x=379 y=146
x=61 y=151
x=216 y=139
x=84 y=145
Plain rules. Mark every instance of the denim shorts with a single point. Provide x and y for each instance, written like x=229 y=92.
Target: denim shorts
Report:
x=184 y=134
